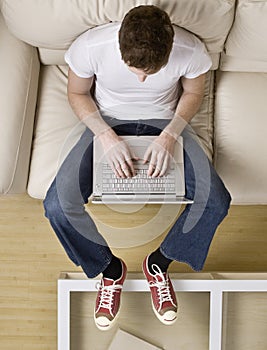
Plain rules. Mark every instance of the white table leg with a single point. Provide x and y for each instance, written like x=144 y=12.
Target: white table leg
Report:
x=216 y=304
x=63 y=316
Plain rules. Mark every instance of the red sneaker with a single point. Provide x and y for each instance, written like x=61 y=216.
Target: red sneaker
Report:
x=108 y=300
x=163 y=297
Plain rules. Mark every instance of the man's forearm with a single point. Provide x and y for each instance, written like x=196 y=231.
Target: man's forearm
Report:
x=187 y=107
x=116 y=151
x=86 y=110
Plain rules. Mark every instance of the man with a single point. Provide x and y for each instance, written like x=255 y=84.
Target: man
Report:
x=149 y=80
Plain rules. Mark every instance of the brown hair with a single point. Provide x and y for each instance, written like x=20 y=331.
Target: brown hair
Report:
x=146 y=38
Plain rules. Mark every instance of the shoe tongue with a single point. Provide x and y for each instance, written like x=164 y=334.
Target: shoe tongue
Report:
x=108 y=281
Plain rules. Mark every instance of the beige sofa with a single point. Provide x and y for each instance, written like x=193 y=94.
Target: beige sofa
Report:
x=38 y=127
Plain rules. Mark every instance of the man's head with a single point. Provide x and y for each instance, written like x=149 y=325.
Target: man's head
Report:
x=146 y=38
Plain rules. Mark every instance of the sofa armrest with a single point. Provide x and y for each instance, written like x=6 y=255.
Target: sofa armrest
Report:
x=19 y=72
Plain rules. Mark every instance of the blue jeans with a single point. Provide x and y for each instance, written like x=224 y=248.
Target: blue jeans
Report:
x=190 y=236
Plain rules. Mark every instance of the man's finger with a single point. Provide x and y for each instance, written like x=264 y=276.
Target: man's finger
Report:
x=158 y=167
x=134 y=157
x=130 y=167
x=164 y=166
x=152 y=165
x=118 y=170
x=147 y=155
x=126 y=169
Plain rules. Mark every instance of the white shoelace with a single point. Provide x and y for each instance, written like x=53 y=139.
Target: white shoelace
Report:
x=162 y=285
x=107 y=295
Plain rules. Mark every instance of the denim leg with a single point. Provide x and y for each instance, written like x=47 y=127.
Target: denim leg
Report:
x=65 y=199
x=190 y=237
x=64 y=207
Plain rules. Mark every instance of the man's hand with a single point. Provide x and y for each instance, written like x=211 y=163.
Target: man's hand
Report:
x=118 y=154
x=159 y=153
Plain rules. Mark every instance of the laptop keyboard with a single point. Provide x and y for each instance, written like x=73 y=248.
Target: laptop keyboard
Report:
x=140 y=183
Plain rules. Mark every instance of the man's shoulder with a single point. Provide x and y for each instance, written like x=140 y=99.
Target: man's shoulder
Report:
x=101 y=34
x=184 y=38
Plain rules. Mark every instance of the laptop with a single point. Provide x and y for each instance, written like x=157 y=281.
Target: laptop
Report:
x=140 y=189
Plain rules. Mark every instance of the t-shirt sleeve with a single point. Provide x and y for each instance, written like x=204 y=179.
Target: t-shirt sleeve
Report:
x=78 y=59
x=200 y=61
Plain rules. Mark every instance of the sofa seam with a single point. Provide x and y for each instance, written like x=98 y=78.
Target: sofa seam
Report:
x=214 y=118
x=23 y=125
x=210 y=128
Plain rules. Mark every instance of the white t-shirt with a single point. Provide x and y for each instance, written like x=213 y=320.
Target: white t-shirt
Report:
x=118 y=92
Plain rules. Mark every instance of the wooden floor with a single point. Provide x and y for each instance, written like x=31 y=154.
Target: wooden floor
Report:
x=31 y=259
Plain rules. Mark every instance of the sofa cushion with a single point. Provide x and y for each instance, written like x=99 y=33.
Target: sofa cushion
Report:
x=246 y=48
x=202 y=123
x=19 y=72
x=56 y=129
x=240 y=135
x=55 y=24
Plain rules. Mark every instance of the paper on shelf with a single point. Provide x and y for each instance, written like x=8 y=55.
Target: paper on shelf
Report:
x=124 y=340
